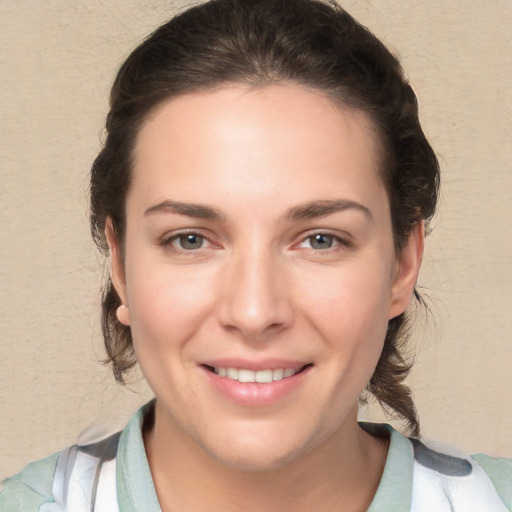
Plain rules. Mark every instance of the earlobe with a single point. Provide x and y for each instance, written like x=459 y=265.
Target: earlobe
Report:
x=123 y=315
x=408 y=267
x=117 y=271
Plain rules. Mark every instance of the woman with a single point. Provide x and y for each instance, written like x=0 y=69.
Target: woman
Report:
x=263 y=195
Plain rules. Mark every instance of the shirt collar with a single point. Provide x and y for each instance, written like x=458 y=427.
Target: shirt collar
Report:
x=394 y=493
x=135 y=487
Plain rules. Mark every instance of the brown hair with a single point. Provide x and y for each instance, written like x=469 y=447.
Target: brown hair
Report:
x=256 y=42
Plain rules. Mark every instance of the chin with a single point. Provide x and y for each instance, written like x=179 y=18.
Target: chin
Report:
x=254 y=461
x=258 y=453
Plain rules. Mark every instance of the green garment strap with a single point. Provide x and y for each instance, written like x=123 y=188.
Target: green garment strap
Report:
x=500 y=472
x=30 y=488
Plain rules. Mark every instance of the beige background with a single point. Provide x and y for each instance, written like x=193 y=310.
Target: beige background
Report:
x=57 y=60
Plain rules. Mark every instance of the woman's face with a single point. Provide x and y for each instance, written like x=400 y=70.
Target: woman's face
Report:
x=259 y=248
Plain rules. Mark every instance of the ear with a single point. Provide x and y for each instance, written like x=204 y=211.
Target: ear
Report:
x=117 y=271
x=407 y=269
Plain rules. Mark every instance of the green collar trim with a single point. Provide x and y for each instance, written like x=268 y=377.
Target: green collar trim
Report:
x=135 y=487
x=395 y=489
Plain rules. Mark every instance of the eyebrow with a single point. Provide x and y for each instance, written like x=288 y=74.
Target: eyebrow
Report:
x=189 y=209
x=311 y=210
x=322 y=208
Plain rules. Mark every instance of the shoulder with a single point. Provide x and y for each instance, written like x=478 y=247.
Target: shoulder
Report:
x=80 y=478
x=68 y=480
x=469 y=483
x=424 y=476
x=31 y=487
x=499 y=471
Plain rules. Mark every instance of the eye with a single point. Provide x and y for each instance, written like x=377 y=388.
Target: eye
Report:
x=188 y=244
x=188 y=241
x=321 y=241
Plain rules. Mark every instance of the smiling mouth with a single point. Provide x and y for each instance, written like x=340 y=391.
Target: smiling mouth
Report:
x=261 y=376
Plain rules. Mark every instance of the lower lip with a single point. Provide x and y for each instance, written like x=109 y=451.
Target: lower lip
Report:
x=254 y=394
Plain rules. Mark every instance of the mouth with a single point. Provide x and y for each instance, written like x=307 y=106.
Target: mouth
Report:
x=256 y=384
x=265 y=376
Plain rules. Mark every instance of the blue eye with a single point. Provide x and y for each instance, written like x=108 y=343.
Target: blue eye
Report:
x=321 y=241
x=189 y=241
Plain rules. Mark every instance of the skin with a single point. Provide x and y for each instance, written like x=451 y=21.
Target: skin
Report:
x=260 y=287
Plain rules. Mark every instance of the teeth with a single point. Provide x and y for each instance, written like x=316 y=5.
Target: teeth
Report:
x=262 y=376
x=278 y=374
x=232 y=373
x=246 y=376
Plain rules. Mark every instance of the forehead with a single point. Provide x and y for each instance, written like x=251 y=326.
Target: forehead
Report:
x=273 y=139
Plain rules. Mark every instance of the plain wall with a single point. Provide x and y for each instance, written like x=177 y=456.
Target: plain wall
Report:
x=57 y=61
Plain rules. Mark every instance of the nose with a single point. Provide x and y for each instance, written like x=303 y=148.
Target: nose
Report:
x=256 y=301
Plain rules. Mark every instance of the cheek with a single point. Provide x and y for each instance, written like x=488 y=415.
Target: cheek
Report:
x=167 y=303
x=349 y=308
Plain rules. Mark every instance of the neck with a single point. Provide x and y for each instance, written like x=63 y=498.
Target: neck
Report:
x=345 y=470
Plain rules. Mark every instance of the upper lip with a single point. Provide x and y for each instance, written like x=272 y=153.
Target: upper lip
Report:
x=250 y=364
